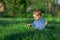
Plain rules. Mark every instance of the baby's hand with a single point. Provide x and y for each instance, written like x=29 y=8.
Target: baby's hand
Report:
x=28 y=24
x=46 y=23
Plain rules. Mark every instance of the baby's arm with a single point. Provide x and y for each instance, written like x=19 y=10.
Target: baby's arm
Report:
x=46 y=23
x=31 y=24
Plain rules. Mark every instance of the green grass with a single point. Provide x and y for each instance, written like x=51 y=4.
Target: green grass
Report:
x=17 y=29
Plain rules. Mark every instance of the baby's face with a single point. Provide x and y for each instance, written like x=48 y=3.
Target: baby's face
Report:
x=36 y=17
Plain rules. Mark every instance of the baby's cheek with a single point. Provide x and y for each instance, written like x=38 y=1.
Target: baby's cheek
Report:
x=37 y=17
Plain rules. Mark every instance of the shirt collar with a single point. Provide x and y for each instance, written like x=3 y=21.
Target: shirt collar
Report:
x=39 y=19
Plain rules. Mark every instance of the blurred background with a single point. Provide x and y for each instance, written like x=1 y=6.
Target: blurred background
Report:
x=16 y=14
x=24 y=8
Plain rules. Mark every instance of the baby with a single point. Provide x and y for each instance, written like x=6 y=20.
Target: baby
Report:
x=39 y=22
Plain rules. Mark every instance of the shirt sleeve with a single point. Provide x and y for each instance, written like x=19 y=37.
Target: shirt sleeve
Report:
x=33 y=24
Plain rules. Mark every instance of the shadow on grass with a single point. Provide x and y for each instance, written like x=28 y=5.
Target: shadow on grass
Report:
x=19 y=36
x=5 y=23
x=30 y=35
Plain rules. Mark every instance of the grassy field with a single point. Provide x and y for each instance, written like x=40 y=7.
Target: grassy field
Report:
x=17 y=29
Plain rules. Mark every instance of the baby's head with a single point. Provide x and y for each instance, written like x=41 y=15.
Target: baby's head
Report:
x=37 y=14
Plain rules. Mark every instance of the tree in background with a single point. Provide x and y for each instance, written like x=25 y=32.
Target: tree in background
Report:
x=15 y=8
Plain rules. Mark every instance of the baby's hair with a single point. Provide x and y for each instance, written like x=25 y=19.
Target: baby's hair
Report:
x=37 y=10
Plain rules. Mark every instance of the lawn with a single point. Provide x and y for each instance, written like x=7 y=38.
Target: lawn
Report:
x=17 y=29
